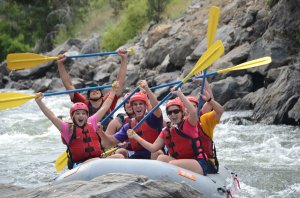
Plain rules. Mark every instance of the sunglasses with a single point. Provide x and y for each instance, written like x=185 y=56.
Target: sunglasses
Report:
x=176 y=111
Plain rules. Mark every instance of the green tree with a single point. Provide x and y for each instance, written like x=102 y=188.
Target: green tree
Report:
x=155 y=9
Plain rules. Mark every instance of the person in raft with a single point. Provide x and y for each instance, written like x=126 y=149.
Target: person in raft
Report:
x=149 y=129
x=116 y=124
x=210 y=117
x=181 y=136
x=80 y=135
x=95 y=98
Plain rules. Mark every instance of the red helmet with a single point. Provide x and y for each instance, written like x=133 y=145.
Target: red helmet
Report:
x=193 y=99
x=139 y=96
x=177 y=102
x=78 y=106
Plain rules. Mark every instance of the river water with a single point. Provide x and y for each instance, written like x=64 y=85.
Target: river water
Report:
x=265 y=157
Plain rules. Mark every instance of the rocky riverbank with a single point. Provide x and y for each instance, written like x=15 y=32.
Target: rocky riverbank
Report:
x=166 y=52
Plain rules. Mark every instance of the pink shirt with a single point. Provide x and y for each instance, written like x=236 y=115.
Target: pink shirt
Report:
x=65 y=128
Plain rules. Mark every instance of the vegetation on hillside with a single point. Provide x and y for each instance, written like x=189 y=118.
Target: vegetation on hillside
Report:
x=38 y=25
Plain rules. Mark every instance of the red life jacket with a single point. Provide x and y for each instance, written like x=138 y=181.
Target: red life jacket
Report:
x=180 y=145
x=84 y=144
x=145 y=131
x=208 y=147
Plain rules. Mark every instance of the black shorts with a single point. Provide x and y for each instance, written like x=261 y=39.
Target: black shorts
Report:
x=211 y=168
x=139 y=156
x=204 y=166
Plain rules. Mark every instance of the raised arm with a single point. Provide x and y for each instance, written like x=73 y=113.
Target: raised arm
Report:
x=107 y=103
x=157 y=145
x=153 y=100
x=65 y=77
x=217 y=108
x=206 y=107
x=123 y=69
x=48 y=113
x=192 y=117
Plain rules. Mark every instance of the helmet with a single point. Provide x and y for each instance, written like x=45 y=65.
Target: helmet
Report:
x=177 y=102
x=139 y=96
x=193 y=99
x=78 y=106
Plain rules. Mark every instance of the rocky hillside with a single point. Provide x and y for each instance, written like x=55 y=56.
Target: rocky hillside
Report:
x=166 y=52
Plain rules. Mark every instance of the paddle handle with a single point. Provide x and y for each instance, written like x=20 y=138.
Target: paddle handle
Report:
x=76 y=90
x=95 y=54
x=201 y=92
x=121 y=104
x=156 y=107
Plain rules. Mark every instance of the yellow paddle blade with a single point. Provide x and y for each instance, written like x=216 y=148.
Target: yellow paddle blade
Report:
x=61 y=161
x=209 y=56
x=13 y=99
x=247 y=65
x=26 y=60
x=214 y=13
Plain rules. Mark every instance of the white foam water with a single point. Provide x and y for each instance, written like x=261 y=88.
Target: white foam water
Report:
x=265 y=157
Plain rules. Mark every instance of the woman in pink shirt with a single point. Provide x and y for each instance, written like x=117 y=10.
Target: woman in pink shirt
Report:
x=80 y=135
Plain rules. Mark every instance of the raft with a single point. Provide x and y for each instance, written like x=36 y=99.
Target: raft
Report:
x=212 y=185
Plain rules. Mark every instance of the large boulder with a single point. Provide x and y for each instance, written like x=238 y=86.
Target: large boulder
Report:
x=110 y=186
x=280 y=98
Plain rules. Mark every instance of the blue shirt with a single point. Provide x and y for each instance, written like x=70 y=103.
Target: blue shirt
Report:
x=152 y=121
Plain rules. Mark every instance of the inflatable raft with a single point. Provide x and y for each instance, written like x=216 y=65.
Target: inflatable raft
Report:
x=212 y=185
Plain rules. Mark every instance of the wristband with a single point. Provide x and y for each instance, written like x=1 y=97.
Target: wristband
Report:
x=209 y=100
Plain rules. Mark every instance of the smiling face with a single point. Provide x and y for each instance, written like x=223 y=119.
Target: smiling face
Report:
x=175 y=114
x=139 y=109
x=95 y=95
x=128 y=108
x=80 y=117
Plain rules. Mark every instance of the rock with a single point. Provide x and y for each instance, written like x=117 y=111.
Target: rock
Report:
x=111 y=185
x=155 y=55
x=294 y=112
x=159 y=32
x=231 y=88
x=91 y=45
x=279 y=98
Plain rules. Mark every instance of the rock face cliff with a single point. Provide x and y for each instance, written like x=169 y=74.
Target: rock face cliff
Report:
x=167 y=52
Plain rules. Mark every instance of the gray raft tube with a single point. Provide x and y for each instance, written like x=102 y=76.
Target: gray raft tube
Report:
x=211 y=186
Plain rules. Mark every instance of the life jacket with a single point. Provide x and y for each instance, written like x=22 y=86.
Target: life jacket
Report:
x=84 y=144
x=209 y=147
x=123 y=118
x=145 y=131
x=180 y=145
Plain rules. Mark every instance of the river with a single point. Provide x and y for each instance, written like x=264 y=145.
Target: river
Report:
x=266 y=158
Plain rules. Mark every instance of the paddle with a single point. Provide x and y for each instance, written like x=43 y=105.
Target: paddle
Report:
x=28 y=60
x=13 y=99
x=16 y=99
x=214 y=13
x=208 y=57
x=62 y=160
